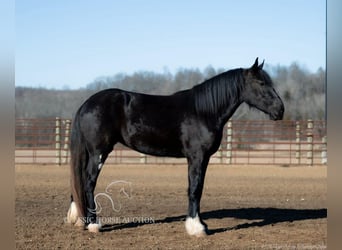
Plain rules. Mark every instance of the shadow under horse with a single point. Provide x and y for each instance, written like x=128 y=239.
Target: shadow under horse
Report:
x=259 y=217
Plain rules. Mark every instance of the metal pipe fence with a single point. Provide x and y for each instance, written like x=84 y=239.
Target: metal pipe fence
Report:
x=257 y=142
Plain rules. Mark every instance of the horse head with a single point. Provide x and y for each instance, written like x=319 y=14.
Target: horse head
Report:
x=260 y=93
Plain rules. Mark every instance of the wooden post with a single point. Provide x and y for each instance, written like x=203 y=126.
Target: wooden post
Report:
x=324 y=150
x=229 y=141
x=298 y=142
x=66 y=141
x=219 y=154
x=143 y=158
x=58 y=140
x=310 y=142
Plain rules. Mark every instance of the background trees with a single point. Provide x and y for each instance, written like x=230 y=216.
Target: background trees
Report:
x=303 y=92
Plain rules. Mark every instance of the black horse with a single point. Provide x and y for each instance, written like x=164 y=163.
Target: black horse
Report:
x=187 y=124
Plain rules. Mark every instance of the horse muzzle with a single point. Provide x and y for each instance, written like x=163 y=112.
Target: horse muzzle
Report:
x=278 y=115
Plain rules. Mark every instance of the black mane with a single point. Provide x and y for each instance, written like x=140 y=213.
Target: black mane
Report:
x=219 y=92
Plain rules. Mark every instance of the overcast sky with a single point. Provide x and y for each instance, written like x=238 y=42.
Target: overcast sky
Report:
x=68 y=43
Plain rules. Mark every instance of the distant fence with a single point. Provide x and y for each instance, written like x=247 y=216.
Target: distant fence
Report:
x=46 y=141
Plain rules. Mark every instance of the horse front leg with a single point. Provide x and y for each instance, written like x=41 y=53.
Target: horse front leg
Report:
x=196 y=173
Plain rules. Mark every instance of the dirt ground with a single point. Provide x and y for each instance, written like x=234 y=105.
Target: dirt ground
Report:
x=245 y=207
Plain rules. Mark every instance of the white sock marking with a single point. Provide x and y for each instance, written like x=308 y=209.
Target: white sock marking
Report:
x=94 y=228
x=194 y=226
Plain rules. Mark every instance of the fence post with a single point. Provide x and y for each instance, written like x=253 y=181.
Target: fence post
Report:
x=219 y=153
x=324 y=150
x=58 y=140
x=310 y=141
x=229 y=141
x=143 y=158
x=66 y=141
x=298 y=142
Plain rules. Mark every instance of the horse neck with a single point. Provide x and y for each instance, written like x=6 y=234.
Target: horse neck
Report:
x=218 y=103
x=226 y=114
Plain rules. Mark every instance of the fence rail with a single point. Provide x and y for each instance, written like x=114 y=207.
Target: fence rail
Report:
x=46 y=141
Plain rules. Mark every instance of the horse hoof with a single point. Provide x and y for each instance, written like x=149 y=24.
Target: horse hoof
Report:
x=199 y=234
x=94 y=228
x=194 y=227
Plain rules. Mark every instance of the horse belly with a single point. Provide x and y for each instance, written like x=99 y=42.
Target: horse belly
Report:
x=158 y=149
x=157 y=143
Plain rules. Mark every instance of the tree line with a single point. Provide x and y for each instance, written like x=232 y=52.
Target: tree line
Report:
x=302 y=91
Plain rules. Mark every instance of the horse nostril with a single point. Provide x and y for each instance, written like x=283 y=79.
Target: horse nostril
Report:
x=281 y=114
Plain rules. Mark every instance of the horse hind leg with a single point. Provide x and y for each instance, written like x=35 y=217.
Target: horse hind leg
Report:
x=94 y=167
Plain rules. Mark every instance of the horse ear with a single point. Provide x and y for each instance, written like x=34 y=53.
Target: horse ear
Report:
x=261 y=65
x=255 y=65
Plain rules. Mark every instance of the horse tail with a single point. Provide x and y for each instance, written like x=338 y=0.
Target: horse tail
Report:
x=79 y=161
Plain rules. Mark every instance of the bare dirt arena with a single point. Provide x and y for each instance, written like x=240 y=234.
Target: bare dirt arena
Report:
x=245 y=207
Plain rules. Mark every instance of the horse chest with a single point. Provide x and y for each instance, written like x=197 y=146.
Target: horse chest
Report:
x=196 y=136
